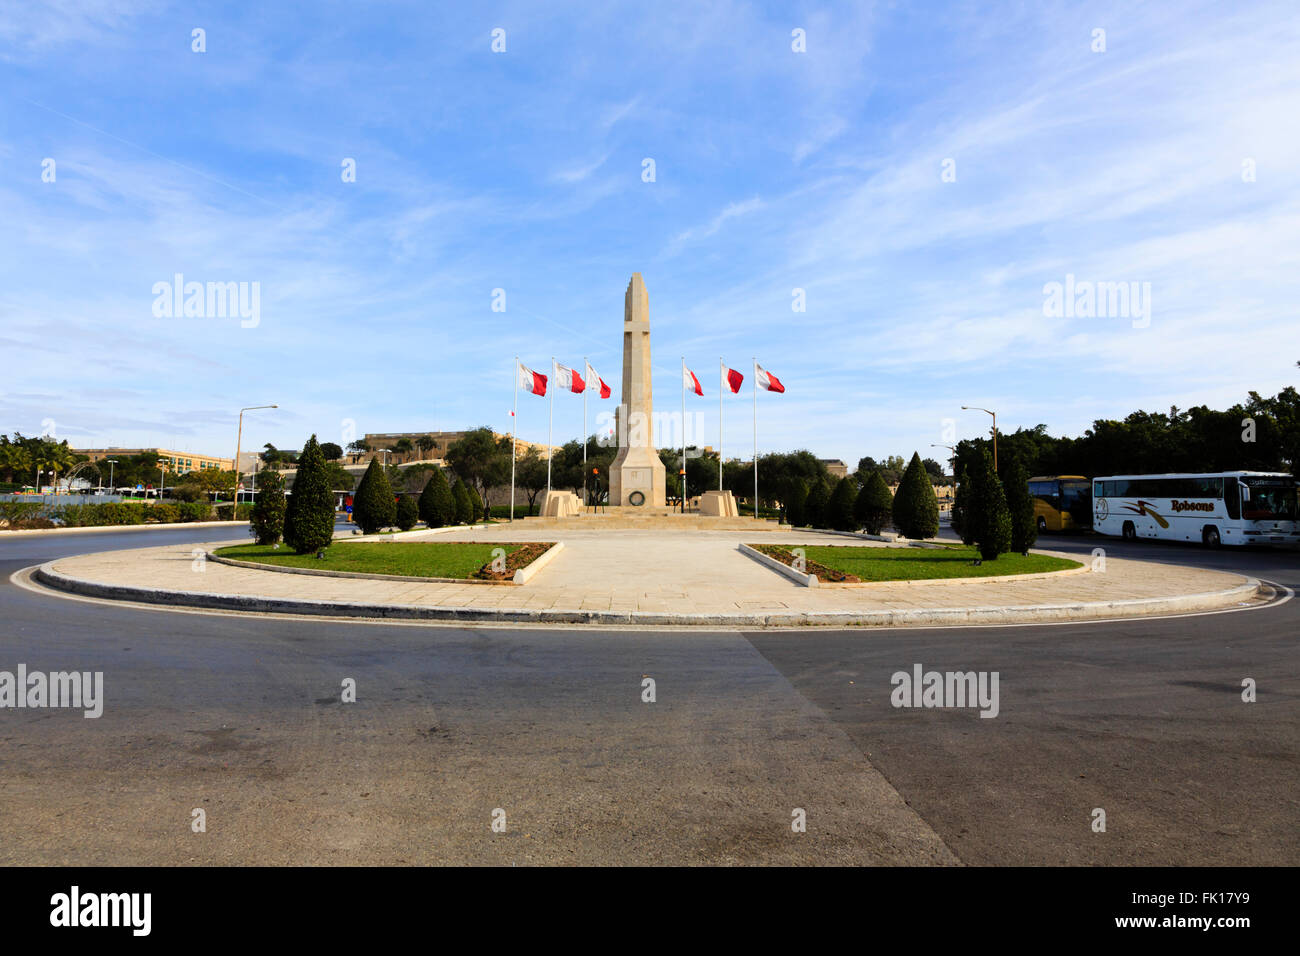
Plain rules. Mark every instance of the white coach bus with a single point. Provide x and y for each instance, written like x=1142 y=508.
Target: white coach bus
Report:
x=1226 y=507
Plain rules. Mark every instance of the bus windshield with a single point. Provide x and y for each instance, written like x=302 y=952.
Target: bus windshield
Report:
x=1270 y=499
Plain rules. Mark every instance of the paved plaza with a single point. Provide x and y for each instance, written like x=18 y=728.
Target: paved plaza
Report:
x=662 y=577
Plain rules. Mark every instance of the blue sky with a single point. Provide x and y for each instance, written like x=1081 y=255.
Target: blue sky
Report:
x=774 y=171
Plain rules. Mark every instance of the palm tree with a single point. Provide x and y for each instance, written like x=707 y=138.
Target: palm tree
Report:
x=424 y=443
x=15 y=460
x=58 y=457
x=403 y=447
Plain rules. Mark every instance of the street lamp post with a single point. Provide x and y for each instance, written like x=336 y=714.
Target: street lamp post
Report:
x=111 y=463
x=976 y=408
x=239 y=438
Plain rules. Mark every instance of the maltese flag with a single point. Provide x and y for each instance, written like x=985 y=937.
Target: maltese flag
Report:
x=534 y=382
x=767 y=380
x=733 y=379
x=596 y=383
x=691 y=382
x=569 y=378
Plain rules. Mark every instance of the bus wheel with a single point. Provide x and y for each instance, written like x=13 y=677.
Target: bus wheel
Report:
x=1042 y=525
x=1210 y=537
x=1129 y=532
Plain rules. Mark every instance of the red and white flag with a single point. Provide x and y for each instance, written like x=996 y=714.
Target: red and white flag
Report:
x=690 y=381
x=767 y=380
x=596 y=383
x=534 y=382
x=733 y=379
x=569 y=378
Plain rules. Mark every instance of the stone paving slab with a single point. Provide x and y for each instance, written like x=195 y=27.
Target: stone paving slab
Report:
x=652 y=577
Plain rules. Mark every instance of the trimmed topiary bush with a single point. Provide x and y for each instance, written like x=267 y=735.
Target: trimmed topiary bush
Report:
x=961 y=509
x=267 y=522
x=408 y=512
x=475 y=504
x=437 y=506
x=373 y=507
x=916 y=509
x=1020 y=506
x=309 y=516
x=464 y=506
x=874 y=505
x=990 y=522
x=796 y=503
x=839 y=510
x=819 y=496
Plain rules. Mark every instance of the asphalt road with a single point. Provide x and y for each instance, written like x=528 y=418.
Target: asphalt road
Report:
x=241 y=717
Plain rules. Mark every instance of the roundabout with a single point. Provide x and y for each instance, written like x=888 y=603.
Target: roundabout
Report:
x=659 y=577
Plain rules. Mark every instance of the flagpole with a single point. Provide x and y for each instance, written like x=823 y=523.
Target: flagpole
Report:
x=514 y=440
x=721 y=366
x=586 y=387
x=755 y=437
x=550 y=421
x=682 y=483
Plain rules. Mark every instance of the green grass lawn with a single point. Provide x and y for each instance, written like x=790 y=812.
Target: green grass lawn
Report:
x=911 y=564
x=421 y=559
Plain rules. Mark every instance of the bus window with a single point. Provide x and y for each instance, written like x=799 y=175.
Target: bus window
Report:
x=1232 y=499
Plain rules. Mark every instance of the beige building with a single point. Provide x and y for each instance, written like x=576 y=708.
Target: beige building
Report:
x=178 y=462
x=441 y=441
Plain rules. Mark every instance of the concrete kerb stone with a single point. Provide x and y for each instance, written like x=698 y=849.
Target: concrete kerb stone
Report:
x=812 y=581
x=521 y=577
x=1027 y=614
x=799 y=577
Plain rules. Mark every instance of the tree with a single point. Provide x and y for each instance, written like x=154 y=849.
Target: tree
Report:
x=373 y=508
x=425 y=443
x=915 y=508
x=339 y=478
x=839 y=510
x=935 y=471
x=309 y=517
x=357 y=448
x=866 y=467
x=990 y=522
x=437 y=507
x=1020 y=505
x=403 y=448
x=530 y=475
x=331 y=451
x=874 y=504
x=267 y=524
x=819 y=497
x=796 y=503
x=408 y=512
x=475 y=505
x=961 y=522
x=483 y=460
x=464 y=506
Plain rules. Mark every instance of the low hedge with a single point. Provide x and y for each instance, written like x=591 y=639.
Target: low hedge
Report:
x=18 y=515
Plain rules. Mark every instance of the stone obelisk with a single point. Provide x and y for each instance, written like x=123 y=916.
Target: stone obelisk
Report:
x=637 y=475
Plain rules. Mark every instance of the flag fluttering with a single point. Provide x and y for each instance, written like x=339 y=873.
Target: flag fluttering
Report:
x=569 y=378
x=596 y=383
x=767 y=380
x=691 y=382
x=732 y=379
x=534 y=382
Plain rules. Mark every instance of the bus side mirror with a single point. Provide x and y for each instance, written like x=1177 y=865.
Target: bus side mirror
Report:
x=1244 y=489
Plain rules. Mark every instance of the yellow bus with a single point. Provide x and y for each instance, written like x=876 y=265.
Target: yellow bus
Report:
x=1062 y=502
